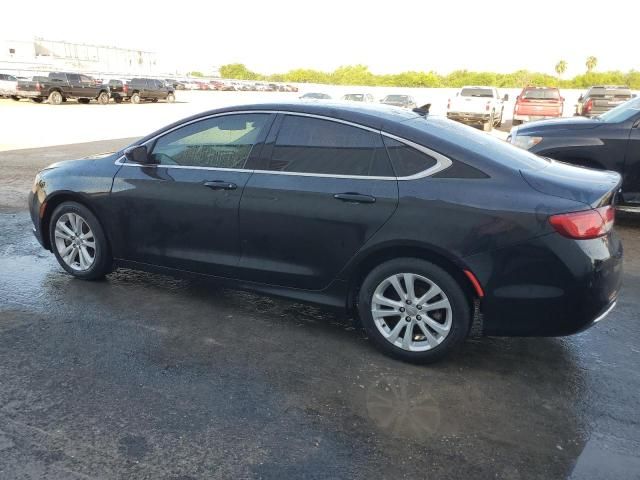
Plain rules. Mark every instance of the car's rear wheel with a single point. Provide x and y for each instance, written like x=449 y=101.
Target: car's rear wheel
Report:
x=413 y=310
x=171 y=98
x=55 y=98
x=78 y=241
x=17 y=99
x=135 y=98
x=499 y=121
x=103 y=98
x=117 y=99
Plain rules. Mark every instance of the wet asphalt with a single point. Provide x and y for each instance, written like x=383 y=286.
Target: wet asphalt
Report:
x=143 y=376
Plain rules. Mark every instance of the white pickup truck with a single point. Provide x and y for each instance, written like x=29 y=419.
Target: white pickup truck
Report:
x=8 y=86
x=477 y=105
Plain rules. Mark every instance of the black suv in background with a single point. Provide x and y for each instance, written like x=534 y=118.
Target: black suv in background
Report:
x=149 y=89
x=600 y=99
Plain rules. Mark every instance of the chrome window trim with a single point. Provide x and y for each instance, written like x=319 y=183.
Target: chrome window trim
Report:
x=442 y=162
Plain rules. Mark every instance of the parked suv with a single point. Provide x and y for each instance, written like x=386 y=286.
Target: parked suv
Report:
x=600 y=99
x=58 y=87
x=148 y=89
x=537 y=103
x=116 y=88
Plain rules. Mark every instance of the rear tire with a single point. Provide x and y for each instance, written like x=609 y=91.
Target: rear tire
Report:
x=103 y=98
x=171 y=98
x=499 y=122
x=17 y=99
x=55 y=98
x=117 y=99
x=135 y=98
x=79 y=237
x=447 y=327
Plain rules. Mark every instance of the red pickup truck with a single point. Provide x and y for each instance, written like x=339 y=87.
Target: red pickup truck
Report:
x=537 y=103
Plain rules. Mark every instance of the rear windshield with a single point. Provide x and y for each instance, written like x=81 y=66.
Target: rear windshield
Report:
x=541 y=94
x=610 y=92
x=354 y=96
x=476 y=92
x=480 y=143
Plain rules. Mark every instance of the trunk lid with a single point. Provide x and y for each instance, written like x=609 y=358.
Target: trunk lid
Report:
x=595 y=188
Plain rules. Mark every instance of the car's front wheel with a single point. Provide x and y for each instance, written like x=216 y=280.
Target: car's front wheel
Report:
x=78 y=241
x=413 y=310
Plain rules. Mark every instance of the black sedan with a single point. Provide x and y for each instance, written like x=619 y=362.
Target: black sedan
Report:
x=425 y=229
x=610 y=141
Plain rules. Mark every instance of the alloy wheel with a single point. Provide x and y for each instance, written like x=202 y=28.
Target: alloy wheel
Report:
x=75 y=242
x=411 y=312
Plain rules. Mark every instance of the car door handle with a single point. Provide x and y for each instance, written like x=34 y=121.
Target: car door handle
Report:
x=220 y=185
x=354 y=197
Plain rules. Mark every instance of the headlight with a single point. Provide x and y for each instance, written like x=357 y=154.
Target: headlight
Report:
x=525 y=141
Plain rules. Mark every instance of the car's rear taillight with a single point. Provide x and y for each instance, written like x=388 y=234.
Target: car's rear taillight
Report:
x=125 y=87
x=588 y=105
x=38 y=86
x=585 y=224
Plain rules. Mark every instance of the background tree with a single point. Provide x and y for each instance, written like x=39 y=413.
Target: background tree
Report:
x=561 y=67
x=591 y=63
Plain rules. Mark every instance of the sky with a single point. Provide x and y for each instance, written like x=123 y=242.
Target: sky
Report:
x=388 y=36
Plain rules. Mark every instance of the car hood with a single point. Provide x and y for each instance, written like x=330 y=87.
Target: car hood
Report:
x=571 y=123
x=90 y=158
x=589 y=186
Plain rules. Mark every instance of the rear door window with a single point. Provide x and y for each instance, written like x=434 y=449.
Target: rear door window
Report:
x=316 y=146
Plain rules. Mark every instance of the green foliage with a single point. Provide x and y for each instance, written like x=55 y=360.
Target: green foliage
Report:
x=196 y=74
x=360 y=75
x=591 y=63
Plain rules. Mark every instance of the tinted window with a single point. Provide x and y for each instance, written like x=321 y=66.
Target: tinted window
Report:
x=354 y=97
x=222 y=142
x=407 y=160
x=476 y=92
x=73 y=77
x=311 y=145
x=58 y=76
x=85 y=79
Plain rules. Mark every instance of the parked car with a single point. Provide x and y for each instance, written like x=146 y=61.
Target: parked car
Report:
x=601 y=99
x=176 y=84
x=290 y=88
x=610 y=141
x=404 y=101
x=477 y=105
x=358 y=97
x=148 y=89
x=537 y=103
x=315 y=96
x=58 y=87
x=349 y=206
x=8 y=85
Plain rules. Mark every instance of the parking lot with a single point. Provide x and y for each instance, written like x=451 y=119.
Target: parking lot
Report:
x=146 y=376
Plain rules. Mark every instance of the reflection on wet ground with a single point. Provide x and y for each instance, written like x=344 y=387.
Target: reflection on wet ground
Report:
x=147 y=376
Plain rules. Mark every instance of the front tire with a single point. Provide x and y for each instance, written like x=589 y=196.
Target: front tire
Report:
x=135 y=98
x=55 y=98
x=171 y=98
x=413 y=310
x=78 y=242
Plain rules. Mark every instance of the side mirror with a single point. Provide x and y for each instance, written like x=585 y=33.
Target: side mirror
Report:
x=506 y=97
x=138 y=154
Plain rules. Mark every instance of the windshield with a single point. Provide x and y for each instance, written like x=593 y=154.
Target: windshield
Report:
x=541 y=94
x=476 y=92
x=395 y=98
x=621 y=113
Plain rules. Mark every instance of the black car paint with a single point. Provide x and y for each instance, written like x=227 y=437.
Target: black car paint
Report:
x=495 y=225
x=595 y=144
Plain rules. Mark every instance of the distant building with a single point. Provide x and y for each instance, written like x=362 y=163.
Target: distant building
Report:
x=42 y=55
